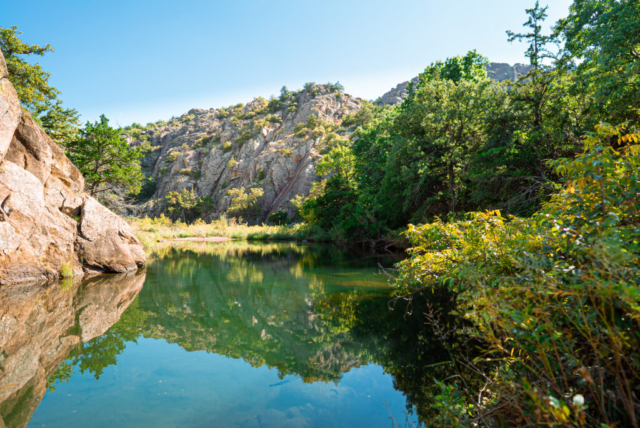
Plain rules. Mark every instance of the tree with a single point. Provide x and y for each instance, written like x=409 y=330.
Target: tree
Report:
x=245 y=203
x=538 y=50
x=32 y=85
x=603 y=38
x=105 y=159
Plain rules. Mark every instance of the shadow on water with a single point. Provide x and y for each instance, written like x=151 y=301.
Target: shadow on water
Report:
x=314 y=312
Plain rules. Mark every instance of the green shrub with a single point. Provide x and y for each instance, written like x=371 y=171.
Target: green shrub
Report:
x=280 y=218
x=148 y=189
x=554 y=297
x=188 y=118
x=245 y=203
x=286 y=152
x=227 y=147
x=261 y=174
x=66 y=270
x=186 y=171
x=244 y=137
x=173 y=156
x=232 y=162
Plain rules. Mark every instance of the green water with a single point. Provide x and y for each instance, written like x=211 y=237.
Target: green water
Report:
x=244 y=335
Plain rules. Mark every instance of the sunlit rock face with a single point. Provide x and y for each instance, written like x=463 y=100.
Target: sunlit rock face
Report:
x=210 y=153
x=40 y=325
x=46 y=219
x=498 y=72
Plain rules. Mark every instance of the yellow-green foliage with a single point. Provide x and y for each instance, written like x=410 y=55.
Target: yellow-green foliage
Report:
x=245 y=203
x=555 y=298
x=150 y=231
x=173 y=156
x=313 y=127
x=227 y=146
x=232 y=162
x=66 y=270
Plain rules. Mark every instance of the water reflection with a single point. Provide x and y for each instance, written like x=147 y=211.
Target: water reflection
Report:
x=313 y=313
x=39 y=326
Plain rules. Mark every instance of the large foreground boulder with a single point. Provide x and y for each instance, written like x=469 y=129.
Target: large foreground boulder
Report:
x=46 y=220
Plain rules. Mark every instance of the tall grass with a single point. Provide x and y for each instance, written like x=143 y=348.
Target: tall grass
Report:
x=152 y=230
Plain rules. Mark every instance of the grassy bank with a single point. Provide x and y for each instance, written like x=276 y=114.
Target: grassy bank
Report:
x=150 y=231
x=162 y=228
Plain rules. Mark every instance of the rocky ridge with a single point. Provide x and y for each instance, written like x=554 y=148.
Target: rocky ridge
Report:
x=272 y=145
x=496 y=71
x=46 y=219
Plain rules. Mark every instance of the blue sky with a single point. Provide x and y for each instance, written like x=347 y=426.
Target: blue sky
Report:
x=141 y=61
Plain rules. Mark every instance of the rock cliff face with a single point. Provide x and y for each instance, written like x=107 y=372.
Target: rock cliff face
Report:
x=273 y=146
x=496 y=71
x=39 y=326
x=46 y=220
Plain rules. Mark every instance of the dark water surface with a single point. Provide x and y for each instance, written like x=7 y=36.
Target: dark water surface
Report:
x=225 y=335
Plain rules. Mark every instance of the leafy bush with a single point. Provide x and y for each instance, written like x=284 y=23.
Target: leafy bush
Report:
x=232 y=162
x=186 y=171
x=244 y=137
x=555 y=297
x=280 y=218
x=66 y=270
x=173 y=156
x=149 y=187
x=261 y=174
x=186 y=205
x=227 y=147
x=188 y=118
x=245 y=203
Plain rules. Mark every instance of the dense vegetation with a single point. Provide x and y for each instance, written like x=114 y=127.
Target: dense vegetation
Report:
x=549 y=275
x=462 y=143
x=522 y=203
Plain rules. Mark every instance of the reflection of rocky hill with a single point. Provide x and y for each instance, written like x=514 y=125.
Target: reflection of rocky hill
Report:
x=295 y=308
x=265 y=307
x=39 y=327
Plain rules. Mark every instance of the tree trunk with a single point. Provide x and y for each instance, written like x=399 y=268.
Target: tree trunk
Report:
x=452 y=198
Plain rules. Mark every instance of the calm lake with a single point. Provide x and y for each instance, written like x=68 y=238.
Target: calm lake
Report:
x=224 y=335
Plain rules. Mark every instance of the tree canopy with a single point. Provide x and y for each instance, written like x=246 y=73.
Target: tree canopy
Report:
x=105 y=159
x=32 y=85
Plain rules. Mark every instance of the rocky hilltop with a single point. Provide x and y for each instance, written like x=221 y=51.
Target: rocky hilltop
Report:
x=496 y=71
x=46 y=219
x=269 y=145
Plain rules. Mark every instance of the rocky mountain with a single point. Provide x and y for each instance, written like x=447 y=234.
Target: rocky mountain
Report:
x=496 y=71
x=268 y=145
x=46 y=219
x=272 y=146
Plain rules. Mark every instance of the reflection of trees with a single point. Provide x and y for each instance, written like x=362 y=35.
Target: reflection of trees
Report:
x=311 y=311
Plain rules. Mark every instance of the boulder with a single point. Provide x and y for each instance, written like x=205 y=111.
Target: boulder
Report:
x=105 y=241
x=46 y=219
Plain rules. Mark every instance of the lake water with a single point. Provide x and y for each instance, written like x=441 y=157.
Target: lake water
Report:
x=229 y=335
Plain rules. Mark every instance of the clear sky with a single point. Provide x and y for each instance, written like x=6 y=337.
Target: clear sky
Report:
x=141 y=61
